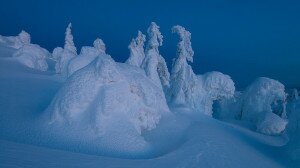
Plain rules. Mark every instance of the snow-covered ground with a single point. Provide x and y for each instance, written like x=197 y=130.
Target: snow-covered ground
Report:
x=111 y=114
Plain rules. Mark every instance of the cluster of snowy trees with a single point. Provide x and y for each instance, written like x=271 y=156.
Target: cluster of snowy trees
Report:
x=95 y=81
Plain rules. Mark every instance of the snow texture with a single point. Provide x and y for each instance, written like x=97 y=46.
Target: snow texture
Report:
x=257 y=105
x=86 y=56
x=136 y=48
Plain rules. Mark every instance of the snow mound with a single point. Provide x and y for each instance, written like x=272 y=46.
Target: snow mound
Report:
x=114 y=102
x=33 y=56
x=257 y=106
x=86 y=56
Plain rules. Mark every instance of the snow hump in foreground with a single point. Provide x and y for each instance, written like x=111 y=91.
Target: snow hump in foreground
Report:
x=100 y=97
x=259 y=99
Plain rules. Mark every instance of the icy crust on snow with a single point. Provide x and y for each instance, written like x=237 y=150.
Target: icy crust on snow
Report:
x=86 y=56
x=116 y=102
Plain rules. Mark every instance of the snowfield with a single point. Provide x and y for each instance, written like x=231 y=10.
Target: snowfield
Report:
x=68 y=110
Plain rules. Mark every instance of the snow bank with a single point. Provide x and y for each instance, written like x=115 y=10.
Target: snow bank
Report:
x=257 y=105
x=115 y=102
x=33 y=56
x=86 y=56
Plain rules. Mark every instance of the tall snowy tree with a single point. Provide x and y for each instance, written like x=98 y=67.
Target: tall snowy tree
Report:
x=69 y=43
x=136 y=48
x=182 y=75
x=154 y=64
x=63 y=56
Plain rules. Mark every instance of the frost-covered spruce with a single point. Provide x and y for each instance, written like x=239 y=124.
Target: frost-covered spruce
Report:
x=197 y=92
x=99 y=98
x=258 y=100
x=136 y=48
x=64 y=56
x=154 y=64
x=182 y=75
x=86 y=56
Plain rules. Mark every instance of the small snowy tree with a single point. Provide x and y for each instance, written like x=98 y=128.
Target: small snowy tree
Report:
x=69 y=43
x=99 y=46
x=137 y=53
x=69 y=52
x=22 y=39
x=154 y=64
x=182 y=75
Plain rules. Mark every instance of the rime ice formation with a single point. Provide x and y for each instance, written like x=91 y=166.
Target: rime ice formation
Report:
x=154 y=64
x=102 y=94
x=86 y=56
x=30 y=55
x=33 y=56
x=137 y=53
x=16 y=41
x=257 y=105
x=196 y=92
x=63 y=56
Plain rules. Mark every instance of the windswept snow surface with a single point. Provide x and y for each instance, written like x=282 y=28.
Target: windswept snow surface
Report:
x=184 y=139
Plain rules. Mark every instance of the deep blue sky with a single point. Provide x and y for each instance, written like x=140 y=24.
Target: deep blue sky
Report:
x=244 y=39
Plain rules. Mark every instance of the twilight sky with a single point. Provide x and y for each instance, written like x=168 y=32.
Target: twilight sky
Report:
x=244 y=39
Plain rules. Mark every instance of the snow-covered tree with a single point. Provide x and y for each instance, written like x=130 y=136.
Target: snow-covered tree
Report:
x=22 y=39
x=154 y=64
x=136 y=48
x=257 y=105
x=182 y=75
x=99 y=46
x=69 y=52
x=69 y=43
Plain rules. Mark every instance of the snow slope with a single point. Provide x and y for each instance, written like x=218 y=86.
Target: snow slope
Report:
x=187 y=139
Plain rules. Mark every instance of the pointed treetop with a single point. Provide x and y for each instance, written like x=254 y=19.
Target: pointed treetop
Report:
x=24 y=37
x=155 y=37
x=184 y=49
x=69 y=43
x=99 y=45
